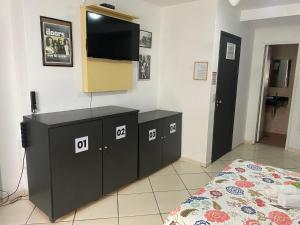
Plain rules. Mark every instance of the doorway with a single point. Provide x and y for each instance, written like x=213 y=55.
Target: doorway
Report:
x=279 y=70
x=228 y=71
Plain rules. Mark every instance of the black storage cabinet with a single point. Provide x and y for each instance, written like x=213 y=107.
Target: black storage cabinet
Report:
x=159 y=140
x=75 y=157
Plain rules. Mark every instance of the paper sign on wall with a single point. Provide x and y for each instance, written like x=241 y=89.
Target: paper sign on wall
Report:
x=230 y=52
x=120 y=132
x=172 y=128
x=152 y=135
x=81 y=144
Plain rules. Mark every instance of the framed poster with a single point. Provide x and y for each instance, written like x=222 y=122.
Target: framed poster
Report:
x=145 y=39
x=56 y=42
x=200 y=70
x=144 y=67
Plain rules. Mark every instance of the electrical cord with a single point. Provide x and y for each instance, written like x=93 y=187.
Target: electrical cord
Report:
x=6 y=199
x=91 y=101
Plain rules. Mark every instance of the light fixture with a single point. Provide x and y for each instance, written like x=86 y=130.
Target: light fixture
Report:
x=234 y=2
x=94 y=16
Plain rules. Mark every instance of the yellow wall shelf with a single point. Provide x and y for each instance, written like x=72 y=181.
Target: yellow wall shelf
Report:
x=100 y=75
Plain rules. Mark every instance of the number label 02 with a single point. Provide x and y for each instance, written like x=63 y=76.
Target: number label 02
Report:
x=81 y=144
x=152 y=135
x=172 y=128
x=120 y=132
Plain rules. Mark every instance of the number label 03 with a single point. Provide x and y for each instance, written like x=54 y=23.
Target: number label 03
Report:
x=121 y=132
x=81 y=144
x=172 y=128
x=152 y=135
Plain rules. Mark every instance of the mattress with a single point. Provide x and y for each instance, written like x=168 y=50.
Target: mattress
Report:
x=240 y=194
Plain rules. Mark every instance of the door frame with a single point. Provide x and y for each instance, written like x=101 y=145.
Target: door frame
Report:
x=215 y=103
x=293 y=102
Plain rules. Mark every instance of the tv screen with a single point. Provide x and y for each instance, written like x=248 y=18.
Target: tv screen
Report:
x=112 y=38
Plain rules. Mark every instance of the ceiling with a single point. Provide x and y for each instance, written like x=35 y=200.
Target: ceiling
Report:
x=252 y=4
x=245 y=4
x=169 y=2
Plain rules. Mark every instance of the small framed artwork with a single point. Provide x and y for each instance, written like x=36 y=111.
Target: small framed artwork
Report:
x=145 y=39
x=200 y=70
x=144 y=67
x=56 y=42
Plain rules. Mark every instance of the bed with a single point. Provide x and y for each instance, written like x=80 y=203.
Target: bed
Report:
x=240 y=194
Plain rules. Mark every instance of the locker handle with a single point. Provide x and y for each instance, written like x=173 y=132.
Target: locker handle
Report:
x=100 y=148
x=105 y=147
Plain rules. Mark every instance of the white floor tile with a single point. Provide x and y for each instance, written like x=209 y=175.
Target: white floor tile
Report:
x=104 y=208
x=215 y=167
x=164 y=216
x=169 y=170
x=212 y=175
x=167 y=201
x=39 y=217
x=111 y=221
x=137 y=205
x=141 y=220
x=166 y=183
x=17 y=213
x=183 y=167
x=231 y=156
x=194 y=181
x=141 y=186
x=58 y=223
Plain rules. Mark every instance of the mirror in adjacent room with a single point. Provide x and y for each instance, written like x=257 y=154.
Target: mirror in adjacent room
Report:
x=280 y=73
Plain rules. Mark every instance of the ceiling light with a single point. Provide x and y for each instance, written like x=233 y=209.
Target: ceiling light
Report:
x=234 y=2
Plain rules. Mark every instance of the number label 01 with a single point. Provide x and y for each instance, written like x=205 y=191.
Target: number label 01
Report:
x=121 y=132
x=81 y=144
x=152 y=135
x=172 y=128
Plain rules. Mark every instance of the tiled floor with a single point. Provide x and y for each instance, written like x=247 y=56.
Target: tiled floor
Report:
x=147 y=202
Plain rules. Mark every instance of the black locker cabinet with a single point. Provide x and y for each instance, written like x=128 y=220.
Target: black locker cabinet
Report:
x=159 y=140
x=74 y=157
x=120 y=153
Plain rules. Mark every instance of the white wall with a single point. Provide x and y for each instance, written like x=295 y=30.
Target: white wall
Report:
x=264 y=35
x=228 y=20
x=58 y=88
x=10 y=154
x=187 y=32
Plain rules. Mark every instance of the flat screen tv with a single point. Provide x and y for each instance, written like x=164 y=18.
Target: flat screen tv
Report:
x=112 y=38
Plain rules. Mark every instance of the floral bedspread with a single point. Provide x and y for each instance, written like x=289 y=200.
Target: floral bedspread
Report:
x=240 y=194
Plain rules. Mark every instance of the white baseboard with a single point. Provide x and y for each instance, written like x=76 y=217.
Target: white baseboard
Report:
x=293 y=150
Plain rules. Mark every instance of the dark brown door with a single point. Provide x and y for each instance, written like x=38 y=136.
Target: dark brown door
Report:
x=228 y=70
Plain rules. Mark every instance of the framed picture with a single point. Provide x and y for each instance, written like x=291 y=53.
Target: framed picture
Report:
x=144 y=67
x=145 y=39
x=56 y=42
x=200 y=70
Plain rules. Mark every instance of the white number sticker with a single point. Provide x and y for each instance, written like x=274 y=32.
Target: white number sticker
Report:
x=152 y=135
x=121 y=132
x=81 y=144
x=172 y=128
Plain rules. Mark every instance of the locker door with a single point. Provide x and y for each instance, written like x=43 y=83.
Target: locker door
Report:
x=120 y=154
x=172 y=139
x=150 y=147
x=76 y=165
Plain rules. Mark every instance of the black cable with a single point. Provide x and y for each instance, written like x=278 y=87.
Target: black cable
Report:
x=9 y=195
x=91 y=101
